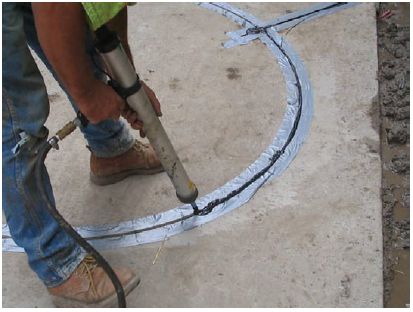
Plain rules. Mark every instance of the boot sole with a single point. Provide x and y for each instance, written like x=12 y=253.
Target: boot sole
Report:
x=109 y=302
x=116 y=177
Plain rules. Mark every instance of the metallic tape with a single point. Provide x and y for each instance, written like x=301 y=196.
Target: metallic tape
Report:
x=241 y=36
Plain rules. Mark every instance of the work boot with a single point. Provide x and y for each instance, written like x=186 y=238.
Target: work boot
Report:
x=90 y=287
x=140 y=159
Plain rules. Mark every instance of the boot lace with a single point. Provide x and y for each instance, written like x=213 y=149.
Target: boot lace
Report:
x=86 y=267
x=139 y=147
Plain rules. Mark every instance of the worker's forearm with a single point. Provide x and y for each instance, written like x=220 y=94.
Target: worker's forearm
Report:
x=61 y=28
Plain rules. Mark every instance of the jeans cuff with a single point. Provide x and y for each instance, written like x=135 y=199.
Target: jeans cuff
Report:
x=79 y=254
x=111 y=147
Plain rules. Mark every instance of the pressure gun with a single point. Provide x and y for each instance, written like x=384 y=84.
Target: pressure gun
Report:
x=126 y=83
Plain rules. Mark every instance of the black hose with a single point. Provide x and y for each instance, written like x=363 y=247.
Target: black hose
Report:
x=44 y=149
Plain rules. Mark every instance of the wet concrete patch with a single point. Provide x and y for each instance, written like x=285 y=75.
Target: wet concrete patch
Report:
x=233 y=73
x=394 y=79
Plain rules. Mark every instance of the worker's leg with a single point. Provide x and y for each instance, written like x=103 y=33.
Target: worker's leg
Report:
x=108 y=138
x=52 y=254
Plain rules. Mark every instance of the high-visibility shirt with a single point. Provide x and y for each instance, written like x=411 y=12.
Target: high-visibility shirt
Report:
x=100 y=13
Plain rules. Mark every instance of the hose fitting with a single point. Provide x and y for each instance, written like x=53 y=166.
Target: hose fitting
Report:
x=66 y=130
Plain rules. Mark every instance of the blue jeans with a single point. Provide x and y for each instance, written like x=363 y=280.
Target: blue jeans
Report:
x=52 y=254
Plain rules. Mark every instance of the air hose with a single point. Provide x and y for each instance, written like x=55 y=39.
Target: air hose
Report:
x=42 y=154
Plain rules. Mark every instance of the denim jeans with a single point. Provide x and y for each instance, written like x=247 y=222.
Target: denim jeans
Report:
x=52 y=254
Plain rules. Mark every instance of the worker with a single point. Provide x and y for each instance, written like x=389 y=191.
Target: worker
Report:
x=61 y=35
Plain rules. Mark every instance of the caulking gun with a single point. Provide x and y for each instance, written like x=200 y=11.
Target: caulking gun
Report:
x=127 y=84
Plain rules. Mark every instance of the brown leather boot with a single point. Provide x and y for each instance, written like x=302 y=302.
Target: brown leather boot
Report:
x=140 y=159
x=90 y=287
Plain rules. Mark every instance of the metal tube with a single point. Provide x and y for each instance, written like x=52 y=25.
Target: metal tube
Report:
x=123 y=72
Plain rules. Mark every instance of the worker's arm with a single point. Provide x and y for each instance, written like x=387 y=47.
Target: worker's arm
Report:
x=65 y=49
x=61 y=28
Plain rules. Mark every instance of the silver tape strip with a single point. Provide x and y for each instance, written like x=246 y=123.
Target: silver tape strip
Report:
x=287 y=24
x=241 y=37
x=292 y=69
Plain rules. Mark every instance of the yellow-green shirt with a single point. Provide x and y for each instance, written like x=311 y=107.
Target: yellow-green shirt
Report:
x=100 y=13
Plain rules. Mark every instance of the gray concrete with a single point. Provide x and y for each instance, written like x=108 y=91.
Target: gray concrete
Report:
x=311 y=238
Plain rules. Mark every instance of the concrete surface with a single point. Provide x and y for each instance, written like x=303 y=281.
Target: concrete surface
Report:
x=311 y=238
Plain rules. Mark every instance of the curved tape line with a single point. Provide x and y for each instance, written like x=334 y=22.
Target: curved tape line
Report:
x=273 y=41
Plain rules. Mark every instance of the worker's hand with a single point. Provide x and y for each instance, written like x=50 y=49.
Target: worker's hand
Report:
x=132 y=117
x=100 y=103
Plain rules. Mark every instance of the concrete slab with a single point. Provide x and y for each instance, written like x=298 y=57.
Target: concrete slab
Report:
x=311 y=238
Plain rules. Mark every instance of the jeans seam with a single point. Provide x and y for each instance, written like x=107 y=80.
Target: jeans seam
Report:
x=16 y=168
x=20 y=187
x=19 y=182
